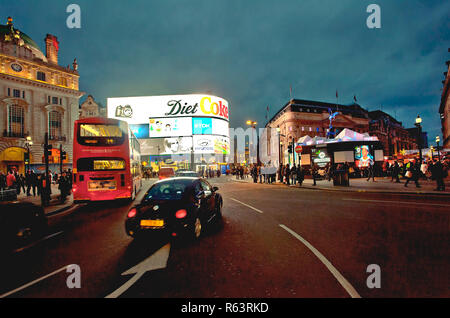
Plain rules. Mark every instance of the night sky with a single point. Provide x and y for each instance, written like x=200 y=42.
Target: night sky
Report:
x=251 y=52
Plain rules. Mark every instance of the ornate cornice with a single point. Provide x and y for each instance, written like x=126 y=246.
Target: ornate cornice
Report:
x=40 y=84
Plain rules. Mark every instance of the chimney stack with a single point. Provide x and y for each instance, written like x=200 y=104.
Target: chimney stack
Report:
x=51 y=48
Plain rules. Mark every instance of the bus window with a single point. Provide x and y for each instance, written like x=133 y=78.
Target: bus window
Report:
x=100 y=164
x=100 y=134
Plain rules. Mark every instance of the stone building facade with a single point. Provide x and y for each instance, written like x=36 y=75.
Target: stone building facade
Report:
x=298 y=118
x=37 y=96
x=89 y=108
x=444 y=108
x=391 y=133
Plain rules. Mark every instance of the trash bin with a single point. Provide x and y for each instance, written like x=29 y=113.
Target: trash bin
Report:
x=340 y=178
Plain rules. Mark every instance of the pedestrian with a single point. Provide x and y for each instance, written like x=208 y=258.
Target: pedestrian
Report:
x=34 y=182
x=313 y=173
x=254 y=173
x=300 y=175
x=280 y=173
x=370 y=170
x=412 y=173
x=10 y=180
x=2 y=181
x=294 y=174
x=287 y=173
x=438 y=174
x=28 y=181
x=395 y=170
x=63 y=186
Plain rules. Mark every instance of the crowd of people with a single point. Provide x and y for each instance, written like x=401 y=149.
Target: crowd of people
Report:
x=35 y=184
x=410 y=170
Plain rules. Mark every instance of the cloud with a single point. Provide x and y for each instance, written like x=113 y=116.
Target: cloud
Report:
x=251 y=52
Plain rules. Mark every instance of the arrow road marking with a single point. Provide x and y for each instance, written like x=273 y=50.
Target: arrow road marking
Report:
x=157 y=260
x=344 y=283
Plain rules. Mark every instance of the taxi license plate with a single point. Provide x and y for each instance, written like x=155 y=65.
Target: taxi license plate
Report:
x=152 y=223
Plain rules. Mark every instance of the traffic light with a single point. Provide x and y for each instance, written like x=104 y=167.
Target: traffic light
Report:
x=26 y=157
x=63 y=155
x=290 y=149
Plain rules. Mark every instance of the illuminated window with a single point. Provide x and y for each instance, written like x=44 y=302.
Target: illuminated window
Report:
x=16 y=120
x=54 y=124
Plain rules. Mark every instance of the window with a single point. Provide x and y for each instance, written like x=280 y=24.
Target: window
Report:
x=40 y=76
x=55 y=100
x=54 y=124
x=100 y=164
x=15 y=120
x=9 y=91
x=16 y=93
x=62 y=81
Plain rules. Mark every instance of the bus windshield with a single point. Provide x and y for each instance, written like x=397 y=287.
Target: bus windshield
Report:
x=100 y=135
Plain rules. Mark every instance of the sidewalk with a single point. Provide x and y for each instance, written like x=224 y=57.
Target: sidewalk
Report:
x=381 y=185
x=55 y=206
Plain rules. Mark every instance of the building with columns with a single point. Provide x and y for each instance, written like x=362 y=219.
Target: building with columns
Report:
x=37 y=96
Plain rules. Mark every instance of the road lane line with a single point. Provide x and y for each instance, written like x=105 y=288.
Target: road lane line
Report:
x=344 y=283
x=396 y=202
x=33 y=282
x=37 y=242
x=248 y=206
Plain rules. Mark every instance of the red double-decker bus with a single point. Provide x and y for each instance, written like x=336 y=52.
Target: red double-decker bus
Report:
x=106 y=160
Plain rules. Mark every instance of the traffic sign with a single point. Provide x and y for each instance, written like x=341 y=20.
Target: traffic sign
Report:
x=298 y=149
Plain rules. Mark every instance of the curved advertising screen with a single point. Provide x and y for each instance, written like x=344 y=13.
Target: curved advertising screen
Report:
x=194 y=124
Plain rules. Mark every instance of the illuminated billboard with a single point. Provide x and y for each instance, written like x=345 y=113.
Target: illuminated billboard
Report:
x=363 y=156
x=166 y=146
x=170 y=127
x=207 y=144
x=140 y=131
x=137 y=110
x=175 y=124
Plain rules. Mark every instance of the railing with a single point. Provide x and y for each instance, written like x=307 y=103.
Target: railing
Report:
x=14 y=134
x=57 y=138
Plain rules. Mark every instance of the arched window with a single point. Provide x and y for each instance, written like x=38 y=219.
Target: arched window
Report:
x=54 y=125
x=16 y=117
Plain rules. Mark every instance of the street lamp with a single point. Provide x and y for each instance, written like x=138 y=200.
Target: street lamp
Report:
x=437 y=142
x=419 y=135
x=252 y=124
x=28 y=144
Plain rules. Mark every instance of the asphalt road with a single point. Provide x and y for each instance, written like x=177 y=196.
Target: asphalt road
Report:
x=275 y=242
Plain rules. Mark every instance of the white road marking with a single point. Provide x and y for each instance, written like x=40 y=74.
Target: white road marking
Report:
x=37 y=242
x=33 y=282
x=344 y=283
x=249 y=206
x=157 y=260
x=397 y=202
